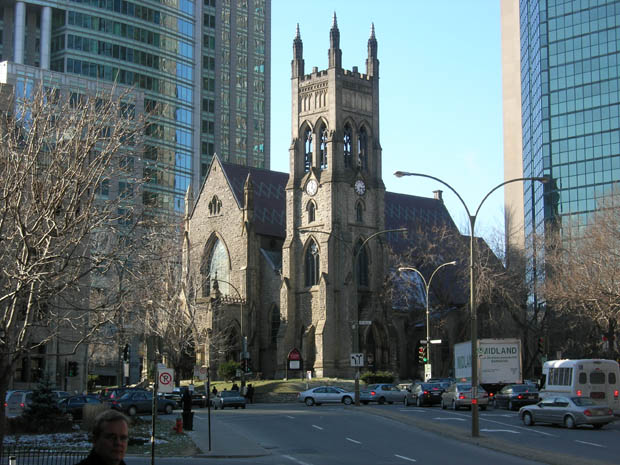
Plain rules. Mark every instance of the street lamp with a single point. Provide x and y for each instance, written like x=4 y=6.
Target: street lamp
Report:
x=475 y=429
x=356 y=253
x=427 y=286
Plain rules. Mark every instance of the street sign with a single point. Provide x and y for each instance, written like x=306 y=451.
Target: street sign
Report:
x=200 y=372
x=427 y=371
x=364 y=322
x=435 y=341
x=357 y=360
x=165 y=377
x=423 y=341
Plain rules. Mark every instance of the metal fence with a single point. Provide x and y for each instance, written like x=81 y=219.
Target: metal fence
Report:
x=38 y=455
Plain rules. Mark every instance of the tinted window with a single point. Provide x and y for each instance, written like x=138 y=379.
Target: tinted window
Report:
x=464 y=387
x=612 y=378
x=583 y=378
x=582 y=401
x=597 y=377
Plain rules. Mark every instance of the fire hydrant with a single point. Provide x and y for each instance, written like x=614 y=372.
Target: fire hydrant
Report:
x=178 y=427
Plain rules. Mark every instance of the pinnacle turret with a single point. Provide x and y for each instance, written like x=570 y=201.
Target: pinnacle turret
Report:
x=372 y=62
x=297 y=64
x=334 y=53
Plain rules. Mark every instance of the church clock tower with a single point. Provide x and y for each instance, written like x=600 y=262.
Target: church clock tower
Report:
x=334 y=201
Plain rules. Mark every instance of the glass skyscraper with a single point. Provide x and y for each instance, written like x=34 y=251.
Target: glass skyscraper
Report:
x=203 y=67
x=568 y=98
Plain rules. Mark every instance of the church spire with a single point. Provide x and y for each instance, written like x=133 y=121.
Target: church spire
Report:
x=334 y=53
x=372 y=63
x=248 y=195
x=297 y=64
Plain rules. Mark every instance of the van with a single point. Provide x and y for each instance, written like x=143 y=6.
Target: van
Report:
x=18 y=401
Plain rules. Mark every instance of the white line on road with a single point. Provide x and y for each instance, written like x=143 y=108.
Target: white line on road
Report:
x=499 y=431
x=521 y=428
x=449 y=418
x=288 y=416
x=296 y=460
x=405 y=458
x=589 y=443
x=413 y=410
x=353 y=440
x=317 y=427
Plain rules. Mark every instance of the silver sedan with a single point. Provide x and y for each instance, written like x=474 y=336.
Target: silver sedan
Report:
x=568 y=411
x=325 y=394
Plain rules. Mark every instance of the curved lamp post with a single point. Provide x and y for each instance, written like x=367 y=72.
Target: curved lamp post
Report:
x=427 y=286
x=475 y=429
x=356 y=253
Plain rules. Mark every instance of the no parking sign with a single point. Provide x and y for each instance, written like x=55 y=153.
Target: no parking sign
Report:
x=165 y=378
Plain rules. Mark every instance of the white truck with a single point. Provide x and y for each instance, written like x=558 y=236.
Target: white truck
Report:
x=499 y=362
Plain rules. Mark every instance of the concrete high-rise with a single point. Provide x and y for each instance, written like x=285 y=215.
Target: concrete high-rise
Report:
x=203 y=66
x=561 y=113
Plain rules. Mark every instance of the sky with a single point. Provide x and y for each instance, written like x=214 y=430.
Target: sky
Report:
x=440 y=91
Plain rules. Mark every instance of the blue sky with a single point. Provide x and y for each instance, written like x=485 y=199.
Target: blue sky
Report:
x=440 y=90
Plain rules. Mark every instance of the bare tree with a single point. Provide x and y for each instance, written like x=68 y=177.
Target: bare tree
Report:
x=58 y=152
x=582 y=284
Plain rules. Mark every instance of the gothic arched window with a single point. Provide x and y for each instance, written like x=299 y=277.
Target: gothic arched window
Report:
x=359 y=212
x=275 y=324
x=348 y=136
x=311 y=211
x=215 y=205
x=323 y=147
x=217 y=267
x=362 y=149
x=312 y=264
x=307 y=149
x=362 y=265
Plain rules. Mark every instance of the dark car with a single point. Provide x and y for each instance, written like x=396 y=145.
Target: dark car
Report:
x=422 y=394
x=74 y=405
x=116 y=393
x=199 y=398
x=138 y=401
x=515 y=396
x=229 y=399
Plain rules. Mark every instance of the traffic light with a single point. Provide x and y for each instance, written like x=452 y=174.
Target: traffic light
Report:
x=425 y=354
x=126 y=353
x=422 y=354
x=72 y=369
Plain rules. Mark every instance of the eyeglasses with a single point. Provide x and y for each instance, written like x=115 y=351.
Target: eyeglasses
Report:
x=115 y=437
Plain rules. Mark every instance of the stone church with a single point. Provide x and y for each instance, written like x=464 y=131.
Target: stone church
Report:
x=284 y=261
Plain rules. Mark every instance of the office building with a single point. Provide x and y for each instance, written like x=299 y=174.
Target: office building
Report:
x=561 y=117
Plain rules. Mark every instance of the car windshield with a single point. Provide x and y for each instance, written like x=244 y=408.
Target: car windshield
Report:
x=430 y=386
x=582 y=401
x=524 y=388
x=464 y=387
x=229 y=393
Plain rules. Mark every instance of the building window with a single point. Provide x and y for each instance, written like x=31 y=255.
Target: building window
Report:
x=311 y=211
x=307 y=150
x=362 y=265
x=362 y=150
x=359 y=212
x=275 y=324
x=215 y=205
x=216 y=267
x=347 y=145
x=323 y=147
x=312 y=264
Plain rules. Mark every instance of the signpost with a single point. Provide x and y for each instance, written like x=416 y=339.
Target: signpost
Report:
x=427 y=371
x=165 y=378
x=357 y=360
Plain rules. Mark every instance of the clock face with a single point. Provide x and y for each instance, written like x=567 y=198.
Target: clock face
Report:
x=360 y=187
x=312 y=187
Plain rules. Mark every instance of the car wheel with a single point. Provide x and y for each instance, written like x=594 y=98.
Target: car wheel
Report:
x=381 y=400
x=309 y=401
x=443 y=406
x=569 y=422
x=243 y=406
x=454 y=407
x=132 y=411
x=418 y=402
x=599 y=425
x=346 y=400
x=483 y=407
x=168 y=409
x=236 y=407
x=510 y=405
x=528 y=420
x=365 y=402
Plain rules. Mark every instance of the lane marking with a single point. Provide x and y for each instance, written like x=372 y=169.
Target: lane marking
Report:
x=405 y=458
x=590 y=443
x=353 y=440
x=317 y=427
x=522 y=428
x=412 y=410
x=288 y=416
x=449 y=418
x=296 y=460
x=500 y=431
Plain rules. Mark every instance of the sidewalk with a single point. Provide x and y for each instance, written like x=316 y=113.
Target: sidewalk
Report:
x=226 y=442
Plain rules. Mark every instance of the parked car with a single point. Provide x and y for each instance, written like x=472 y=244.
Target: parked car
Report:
x=199 y=398
x=18 y=401
x=324 y=394
x=74 y=405
x=116 y=393
x=228 y=399
x=515 y=396
x=568 y=411
x=458 y=395
x=138 y=401
x=422 y=394
x=382 y=393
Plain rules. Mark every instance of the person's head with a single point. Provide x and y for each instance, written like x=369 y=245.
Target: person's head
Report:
x=110 y=436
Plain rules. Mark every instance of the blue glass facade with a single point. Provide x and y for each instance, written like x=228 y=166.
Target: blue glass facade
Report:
x=570 y=109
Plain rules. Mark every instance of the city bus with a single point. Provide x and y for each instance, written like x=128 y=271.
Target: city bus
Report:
x=596 y=379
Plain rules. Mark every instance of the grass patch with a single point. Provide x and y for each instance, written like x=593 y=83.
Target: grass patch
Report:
x=167 y=442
